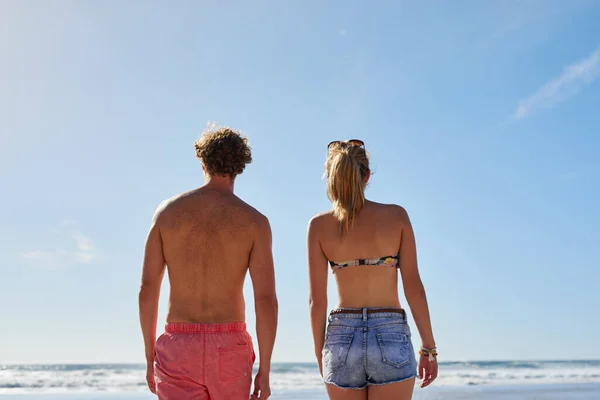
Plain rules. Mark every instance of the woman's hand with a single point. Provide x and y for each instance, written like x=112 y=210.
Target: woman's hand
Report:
x=428 y=370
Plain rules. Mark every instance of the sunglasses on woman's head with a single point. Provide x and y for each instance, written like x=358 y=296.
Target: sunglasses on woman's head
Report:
x=353 y=142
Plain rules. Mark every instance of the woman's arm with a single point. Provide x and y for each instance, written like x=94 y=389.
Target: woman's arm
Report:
x=415 y=295
x=317 y=276
x=411 y=281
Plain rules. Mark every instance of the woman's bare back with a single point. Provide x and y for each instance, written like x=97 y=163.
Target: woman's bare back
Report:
x=376 y=232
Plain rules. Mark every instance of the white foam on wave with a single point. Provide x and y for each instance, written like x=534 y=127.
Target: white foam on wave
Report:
x=525 y=376
x=23 y=380
x=286 y=376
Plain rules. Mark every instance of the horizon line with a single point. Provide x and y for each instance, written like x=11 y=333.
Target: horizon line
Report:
x=310 y=362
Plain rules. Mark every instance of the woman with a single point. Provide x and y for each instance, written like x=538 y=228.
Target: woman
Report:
x=367 y=343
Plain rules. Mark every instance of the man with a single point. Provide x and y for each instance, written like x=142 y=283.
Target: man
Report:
x=208 y=239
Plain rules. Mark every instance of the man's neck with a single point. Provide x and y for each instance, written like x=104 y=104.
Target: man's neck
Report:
x=219 y=183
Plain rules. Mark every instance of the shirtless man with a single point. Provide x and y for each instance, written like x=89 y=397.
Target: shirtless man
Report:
x=208 y=239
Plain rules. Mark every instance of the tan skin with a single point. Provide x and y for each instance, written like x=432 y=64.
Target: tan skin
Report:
x=207 y=240
x=378 y=230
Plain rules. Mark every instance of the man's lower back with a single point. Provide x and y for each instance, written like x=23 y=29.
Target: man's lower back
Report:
x=208 y=306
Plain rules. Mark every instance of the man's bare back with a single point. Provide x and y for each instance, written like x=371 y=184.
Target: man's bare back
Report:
x=207 y=239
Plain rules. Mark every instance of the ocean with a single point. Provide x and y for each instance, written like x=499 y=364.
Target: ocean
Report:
x=539 y=380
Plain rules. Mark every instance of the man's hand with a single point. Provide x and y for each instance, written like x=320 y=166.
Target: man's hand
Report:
x=428 y=371
x=262 y=388
x=150 y=377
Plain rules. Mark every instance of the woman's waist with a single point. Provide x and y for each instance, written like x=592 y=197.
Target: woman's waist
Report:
x=354 y=300
x=366 y=293
x=352 y=317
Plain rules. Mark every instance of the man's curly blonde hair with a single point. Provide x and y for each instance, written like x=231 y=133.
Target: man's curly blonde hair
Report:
x=223 y=152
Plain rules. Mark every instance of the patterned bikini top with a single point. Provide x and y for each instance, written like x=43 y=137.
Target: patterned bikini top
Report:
x=389 y=261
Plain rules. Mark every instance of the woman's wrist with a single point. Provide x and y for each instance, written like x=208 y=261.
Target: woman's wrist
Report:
x=431 y=353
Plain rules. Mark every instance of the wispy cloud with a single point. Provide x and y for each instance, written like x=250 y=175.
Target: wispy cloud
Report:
x=42 y=255
x=83 y=251
x=568 y=84
x=84 y=258
x=83 y=242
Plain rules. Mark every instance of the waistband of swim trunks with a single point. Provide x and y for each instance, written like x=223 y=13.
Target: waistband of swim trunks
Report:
x=368 y=312
x=184 y=327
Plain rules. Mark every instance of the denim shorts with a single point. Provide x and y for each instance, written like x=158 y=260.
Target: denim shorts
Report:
x=367 y=347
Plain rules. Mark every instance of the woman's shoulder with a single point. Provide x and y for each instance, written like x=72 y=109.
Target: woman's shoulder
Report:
x=393 y=213
x=322 y=217
x=322 y=221
x=391 y=208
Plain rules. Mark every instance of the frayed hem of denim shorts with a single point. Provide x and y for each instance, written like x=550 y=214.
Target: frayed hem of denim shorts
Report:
x=368 y=384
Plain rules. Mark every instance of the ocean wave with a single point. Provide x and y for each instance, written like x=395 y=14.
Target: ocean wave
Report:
x=288 y=376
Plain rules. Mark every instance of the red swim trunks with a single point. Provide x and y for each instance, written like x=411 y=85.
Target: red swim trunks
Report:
x=204 y=362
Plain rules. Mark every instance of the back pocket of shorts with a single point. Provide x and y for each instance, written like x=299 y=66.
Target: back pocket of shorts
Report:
x=336 y=350
x=235 y=363
x=395 y=348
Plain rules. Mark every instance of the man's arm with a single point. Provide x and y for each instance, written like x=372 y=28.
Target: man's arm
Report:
x=152 y=275
x=262 y=273
x=317 y=298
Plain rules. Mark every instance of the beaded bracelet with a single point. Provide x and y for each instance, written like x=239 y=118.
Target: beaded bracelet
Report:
x=430 y=353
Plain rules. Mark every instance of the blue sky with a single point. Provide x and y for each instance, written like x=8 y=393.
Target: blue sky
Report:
x=481 y=118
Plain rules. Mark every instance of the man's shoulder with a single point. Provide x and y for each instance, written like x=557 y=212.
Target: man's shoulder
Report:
x=166 y=206
x=258 y=219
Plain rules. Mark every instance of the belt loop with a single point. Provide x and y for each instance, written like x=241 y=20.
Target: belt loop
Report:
x=364 y=314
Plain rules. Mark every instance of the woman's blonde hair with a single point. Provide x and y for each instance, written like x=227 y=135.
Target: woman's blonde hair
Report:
x=346 y=168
